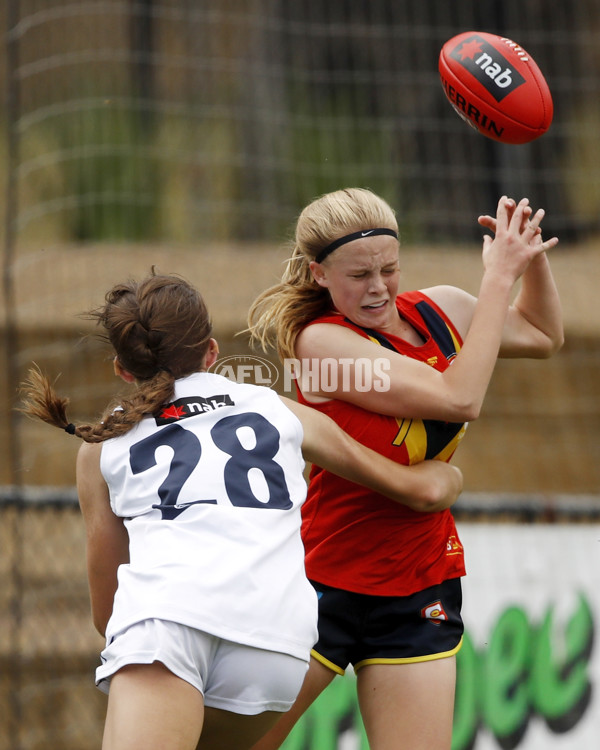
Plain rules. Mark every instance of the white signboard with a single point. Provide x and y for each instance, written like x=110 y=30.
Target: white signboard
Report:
x=529 y=669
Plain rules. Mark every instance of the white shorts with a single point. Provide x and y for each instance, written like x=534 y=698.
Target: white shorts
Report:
x=229 y=675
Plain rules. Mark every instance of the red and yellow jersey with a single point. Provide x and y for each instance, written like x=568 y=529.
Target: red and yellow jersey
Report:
x=356 y=539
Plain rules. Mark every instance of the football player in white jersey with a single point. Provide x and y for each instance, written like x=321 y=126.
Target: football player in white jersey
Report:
x=190 y=490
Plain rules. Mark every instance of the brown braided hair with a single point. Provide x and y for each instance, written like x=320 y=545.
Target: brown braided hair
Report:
x=160 y=331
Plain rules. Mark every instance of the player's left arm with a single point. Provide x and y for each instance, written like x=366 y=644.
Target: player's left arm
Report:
x=107 y=541
x=534 y=324
x=425 y=487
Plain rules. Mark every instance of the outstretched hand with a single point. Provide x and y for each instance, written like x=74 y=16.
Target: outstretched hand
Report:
x=489 y=222
x=518 y=235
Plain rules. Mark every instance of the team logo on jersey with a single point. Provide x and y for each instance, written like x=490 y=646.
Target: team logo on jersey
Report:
x=434 y=612
x=453 y=546
x=191 y=406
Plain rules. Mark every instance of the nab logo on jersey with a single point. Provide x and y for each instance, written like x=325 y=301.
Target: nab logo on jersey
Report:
x=489 y=66
x=191 y=407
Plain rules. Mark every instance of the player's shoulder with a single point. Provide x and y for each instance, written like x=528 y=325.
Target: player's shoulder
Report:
x=89 y=453
x=443 y=294
x=457 y=305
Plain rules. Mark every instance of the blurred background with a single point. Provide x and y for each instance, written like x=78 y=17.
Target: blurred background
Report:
x=189 y=135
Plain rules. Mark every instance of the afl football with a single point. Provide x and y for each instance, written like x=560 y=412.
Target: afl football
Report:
x=496 y=87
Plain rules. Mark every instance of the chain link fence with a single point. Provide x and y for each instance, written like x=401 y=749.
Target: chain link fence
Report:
x=189 y=135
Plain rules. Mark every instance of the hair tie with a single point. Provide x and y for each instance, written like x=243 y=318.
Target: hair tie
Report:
x=350 y=238
x=70 y=428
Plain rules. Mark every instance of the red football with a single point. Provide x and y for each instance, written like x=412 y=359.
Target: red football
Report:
x=496 y=87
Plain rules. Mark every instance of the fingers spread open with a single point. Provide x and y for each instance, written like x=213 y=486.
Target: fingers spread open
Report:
x=504 y=212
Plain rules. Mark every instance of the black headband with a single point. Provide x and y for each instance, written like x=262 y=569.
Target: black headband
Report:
x=350 y=238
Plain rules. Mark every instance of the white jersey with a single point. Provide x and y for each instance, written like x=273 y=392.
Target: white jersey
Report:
x=211 y=493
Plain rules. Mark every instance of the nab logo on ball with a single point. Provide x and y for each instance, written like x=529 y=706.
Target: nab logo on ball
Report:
x=490 y=68
x=495 y=86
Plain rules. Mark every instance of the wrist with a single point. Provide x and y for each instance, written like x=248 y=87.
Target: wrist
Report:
x=498 y=280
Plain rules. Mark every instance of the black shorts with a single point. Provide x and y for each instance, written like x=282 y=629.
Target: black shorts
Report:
x=359 y=629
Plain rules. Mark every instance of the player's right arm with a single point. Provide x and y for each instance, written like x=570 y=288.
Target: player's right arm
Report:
x=107 y=541
x=425 y=487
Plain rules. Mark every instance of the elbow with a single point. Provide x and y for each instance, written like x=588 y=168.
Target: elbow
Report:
x=555 y=344
x=443 y=489
x=436 y=499
x=471 y=412
x=550 y=346
x=462 y=404
x=467 y=410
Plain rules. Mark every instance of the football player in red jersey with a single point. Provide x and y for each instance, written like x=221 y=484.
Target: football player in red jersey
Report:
x=388 y=577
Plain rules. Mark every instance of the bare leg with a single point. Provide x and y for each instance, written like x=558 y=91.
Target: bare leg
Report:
x=317 y=679
x=414 y=702
x=149 y=708
x=225 y=729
